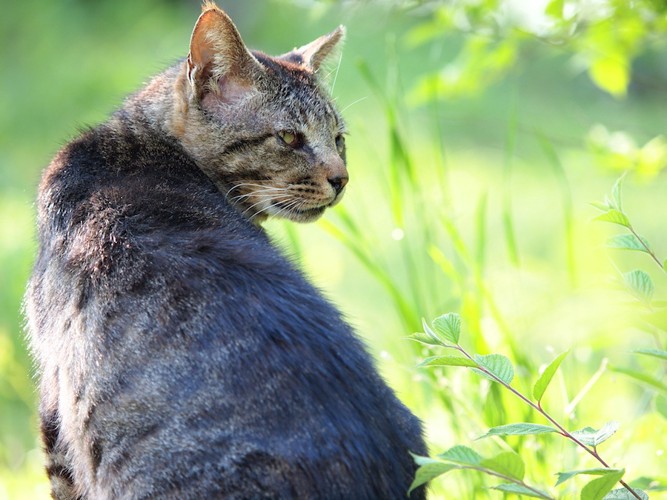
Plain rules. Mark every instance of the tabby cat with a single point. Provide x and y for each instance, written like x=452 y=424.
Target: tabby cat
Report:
x=180 y=354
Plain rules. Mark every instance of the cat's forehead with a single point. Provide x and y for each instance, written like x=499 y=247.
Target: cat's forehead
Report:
x=298 y=89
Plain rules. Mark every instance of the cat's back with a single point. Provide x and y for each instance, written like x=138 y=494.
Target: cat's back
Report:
x=193 y=346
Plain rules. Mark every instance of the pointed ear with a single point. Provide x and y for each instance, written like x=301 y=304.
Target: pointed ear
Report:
x=219 y=61
x=312 y=56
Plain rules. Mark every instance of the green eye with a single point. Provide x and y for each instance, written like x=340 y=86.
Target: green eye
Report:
x=291 y=138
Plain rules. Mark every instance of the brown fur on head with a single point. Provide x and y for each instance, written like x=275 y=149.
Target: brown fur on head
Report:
x=262 y=128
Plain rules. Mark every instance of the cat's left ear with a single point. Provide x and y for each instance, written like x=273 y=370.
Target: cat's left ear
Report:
x=312 y=55
x=219 y=61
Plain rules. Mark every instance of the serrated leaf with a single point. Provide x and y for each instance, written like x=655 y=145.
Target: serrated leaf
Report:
x=592 y=437
x=642 y=377
x=519 y=429
x=496 y=364
x=423 y=338
x=431 y=334
x=448 y=361
x=656 y=353
x=598 y=488
x=640 y=284
x=429 y=469
x=506 y=463
x=448 y=327
x=545 y=377
x=462 y=455
x=518 y=489
x=615 y=217
x=624 y=494
x=628 y=242
x=564 y=476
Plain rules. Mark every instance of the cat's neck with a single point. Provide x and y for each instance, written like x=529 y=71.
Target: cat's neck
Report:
x=159 y=106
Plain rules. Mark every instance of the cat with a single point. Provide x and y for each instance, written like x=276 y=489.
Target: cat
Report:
x=180 y=354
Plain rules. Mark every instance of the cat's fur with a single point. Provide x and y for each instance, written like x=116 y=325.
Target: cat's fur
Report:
x=180 y=354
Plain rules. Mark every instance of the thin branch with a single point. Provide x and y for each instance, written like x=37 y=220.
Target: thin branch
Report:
x=538 y=407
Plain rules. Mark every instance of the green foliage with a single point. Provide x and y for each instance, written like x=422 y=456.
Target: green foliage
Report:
x=544 y=380
x=593 y=437
x=520 y=429
x=509 y=465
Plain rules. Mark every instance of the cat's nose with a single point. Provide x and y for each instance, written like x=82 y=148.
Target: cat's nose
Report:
x=338 y=182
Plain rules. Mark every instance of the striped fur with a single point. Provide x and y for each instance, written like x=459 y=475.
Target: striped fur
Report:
x=180 y=354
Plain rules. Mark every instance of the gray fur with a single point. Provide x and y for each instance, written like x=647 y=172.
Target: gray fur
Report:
x=180 y=354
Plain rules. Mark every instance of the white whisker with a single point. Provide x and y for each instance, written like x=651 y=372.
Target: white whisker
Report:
x=333 y=84
x=353 y=103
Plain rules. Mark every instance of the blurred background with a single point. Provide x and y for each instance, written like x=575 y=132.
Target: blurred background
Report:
x=482 y=132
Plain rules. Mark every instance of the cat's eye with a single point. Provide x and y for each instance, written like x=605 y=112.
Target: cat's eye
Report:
x=340 y=143
x=291 y=138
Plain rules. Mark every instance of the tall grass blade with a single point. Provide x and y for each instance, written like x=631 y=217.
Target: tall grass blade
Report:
x=566 y=201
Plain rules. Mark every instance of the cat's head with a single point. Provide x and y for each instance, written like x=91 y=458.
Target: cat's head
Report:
x=263 y=128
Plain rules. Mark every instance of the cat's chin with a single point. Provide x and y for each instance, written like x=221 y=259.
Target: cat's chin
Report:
x=306 y=215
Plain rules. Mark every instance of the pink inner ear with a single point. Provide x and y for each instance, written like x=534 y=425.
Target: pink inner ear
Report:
x=233 y=89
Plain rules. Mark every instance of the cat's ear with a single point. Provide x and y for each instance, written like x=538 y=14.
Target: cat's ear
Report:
x=312 y=55
x=219 y=61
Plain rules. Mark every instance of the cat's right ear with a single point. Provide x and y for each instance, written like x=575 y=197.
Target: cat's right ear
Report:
x=219 y=62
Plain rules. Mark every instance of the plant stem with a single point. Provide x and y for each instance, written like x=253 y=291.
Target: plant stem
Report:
x=646 y=247
x=538 y=407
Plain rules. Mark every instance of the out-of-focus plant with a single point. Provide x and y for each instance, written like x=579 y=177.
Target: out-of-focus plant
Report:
x=603 y=37
x=445 y=332
x=640 y=284
x=618 y=151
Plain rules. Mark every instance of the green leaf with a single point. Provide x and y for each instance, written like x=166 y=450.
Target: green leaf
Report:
x=555 y=9
x=506 y=463
x=656 y=353
x=624 y=494
x=545 y=378
x=598 y=488
x=592 y=437
x=628 y=242
x=429 y=469
x=615 y=217
x=435 y=340
x=616 y=193
x=424 y=339
x=496 y=364
x=642 y=377
x=448 y=361
x=448 y=327
x=611 y=73
x=564 y=476
x=519 y=489
x=462 y=455
x=519 y=429
x=640 y=284
x=648 y=483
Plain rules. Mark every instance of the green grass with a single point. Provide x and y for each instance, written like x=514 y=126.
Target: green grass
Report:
x=478 y=205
